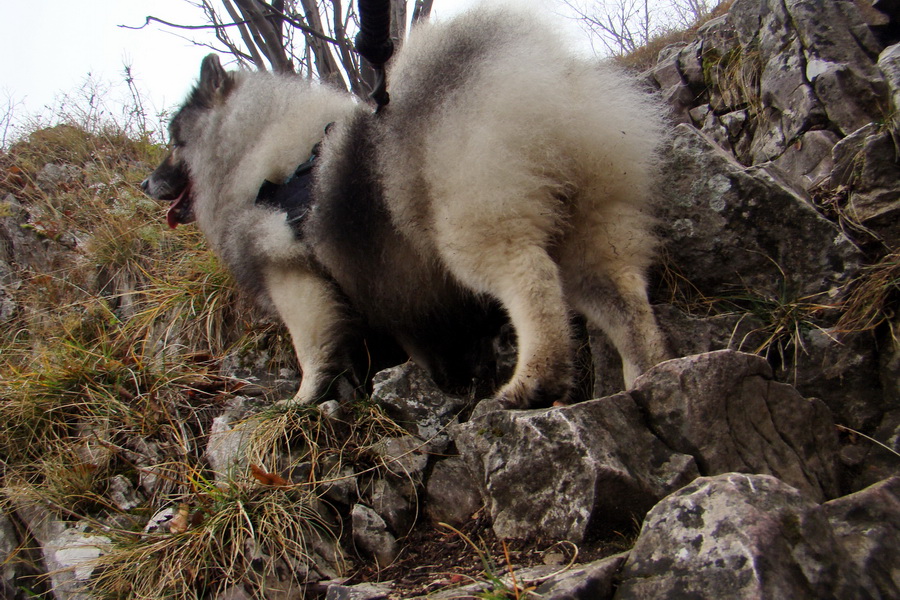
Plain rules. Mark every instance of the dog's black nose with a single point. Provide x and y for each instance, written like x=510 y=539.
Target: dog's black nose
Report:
x=145 y=184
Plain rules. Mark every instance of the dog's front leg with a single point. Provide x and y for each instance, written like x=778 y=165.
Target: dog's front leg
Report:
x=313 y=314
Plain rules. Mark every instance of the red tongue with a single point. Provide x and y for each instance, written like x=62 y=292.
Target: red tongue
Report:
x=173 y=215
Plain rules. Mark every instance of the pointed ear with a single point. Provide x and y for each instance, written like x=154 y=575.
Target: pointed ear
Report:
x=215 y=82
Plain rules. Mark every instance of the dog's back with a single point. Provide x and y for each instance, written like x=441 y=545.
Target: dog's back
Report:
x=509 y=168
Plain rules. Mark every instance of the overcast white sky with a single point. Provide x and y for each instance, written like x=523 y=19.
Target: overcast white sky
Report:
x=50 y=47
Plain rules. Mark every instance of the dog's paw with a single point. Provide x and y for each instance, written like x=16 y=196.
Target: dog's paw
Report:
x=298 y=400
x=519 y=396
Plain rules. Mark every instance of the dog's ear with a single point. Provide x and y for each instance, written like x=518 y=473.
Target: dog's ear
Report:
x=215 y=82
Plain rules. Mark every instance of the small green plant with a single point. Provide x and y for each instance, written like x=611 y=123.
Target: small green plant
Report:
x=496 y=584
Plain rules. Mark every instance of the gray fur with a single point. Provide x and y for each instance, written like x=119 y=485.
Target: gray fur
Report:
x=504 y=173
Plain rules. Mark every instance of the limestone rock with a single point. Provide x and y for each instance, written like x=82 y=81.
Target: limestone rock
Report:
x=405 y=457
x=686 y=334
x=809 y=159
x=724 y=409
x=228 y=437
x=866 y=164
x=842 y=371
x=452 y=495
x=20 y=248
x=370 y=534
x=867 y=524
x=889 y=64
x=122 y=494
x=674 y=90
x=395 y=501
x=731 y=227
x=738 y=536
x=56 y=176
x=411 y=398
x=69 y=557
x=817 y=68
x=362 y=591
x=591 y=581
x=566 y=472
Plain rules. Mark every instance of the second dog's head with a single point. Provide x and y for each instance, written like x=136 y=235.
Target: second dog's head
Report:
x=171 y=180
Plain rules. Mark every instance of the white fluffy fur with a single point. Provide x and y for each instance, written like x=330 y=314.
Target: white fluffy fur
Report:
x=528 y=181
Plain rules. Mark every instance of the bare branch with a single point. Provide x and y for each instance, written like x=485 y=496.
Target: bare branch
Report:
x=256 y=58
x=287 y=18
x=326 y=66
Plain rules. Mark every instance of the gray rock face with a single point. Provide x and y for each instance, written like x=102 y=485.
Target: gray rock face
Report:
x=730 y=227
x=405 y=457
x=809 y=160
x=564 y=472
x=20 y=249
x=867 y=524
x=452 y=495
x=370 y=534
x=889 y=64
x=592 y=581
x=570 y=471
x=411 y=398
x=817 y=67
x=738 y=536
x=866 y=165
x=396 y=503
x=724 y=409
x=841 y=370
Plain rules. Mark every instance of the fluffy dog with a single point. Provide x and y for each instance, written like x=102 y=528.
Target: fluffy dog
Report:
x=506 y=172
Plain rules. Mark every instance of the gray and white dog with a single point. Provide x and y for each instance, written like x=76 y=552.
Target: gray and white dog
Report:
x=506 y=172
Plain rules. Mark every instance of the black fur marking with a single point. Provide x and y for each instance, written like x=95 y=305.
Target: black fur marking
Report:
x=384 y=278
x=294 y=197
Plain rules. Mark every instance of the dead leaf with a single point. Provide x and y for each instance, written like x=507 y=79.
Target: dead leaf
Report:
x=267 y=478
x=180 y=523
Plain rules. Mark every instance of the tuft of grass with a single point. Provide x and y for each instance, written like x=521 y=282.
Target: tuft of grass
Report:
x=222 y=536
x=873 y=296
x=785 y=322
x=735 y=77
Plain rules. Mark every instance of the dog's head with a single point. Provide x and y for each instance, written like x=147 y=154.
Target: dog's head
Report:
x=171 y=181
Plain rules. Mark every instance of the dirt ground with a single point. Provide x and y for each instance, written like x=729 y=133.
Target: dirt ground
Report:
x=436 y=557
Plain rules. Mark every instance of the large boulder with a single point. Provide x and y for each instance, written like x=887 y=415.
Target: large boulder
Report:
x=567 y=472
x=724 y=409
x=739 y=536
x=733 y=228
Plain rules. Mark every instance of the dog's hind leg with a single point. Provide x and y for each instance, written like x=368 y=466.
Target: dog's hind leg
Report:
x=313 y=314
x=603 y=261
x=507 y=260
x=617 y=304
